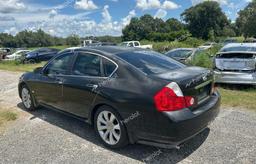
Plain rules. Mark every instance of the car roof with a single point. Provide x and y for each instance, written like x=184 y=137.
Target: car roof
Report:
x=106 y=50
x=239 y=47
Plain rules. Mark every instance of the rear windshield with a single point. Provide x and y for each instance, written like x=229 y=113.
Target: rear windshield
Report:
x=250 y=49
x=180 y=53
x=150 y=62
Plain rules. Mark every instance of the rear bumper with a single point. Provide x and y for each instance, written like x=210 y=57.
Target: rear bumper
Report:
x=179 y=126
x=235 y=77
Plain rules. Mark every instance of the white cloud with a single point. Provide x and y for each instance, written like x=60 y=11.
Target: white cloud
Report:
x=126 y=20
x=156 y=4
x=160 y=13
x=169 y=5
x=148 y=4
x=85 y=5
x=6 y=18
x=105 y=14
x=53 y=13
x=64 y=25
x=11 y=6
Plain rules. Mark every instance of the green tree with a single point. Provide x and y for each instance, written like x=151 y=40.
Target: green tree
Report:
x=246 y=21
x=173 y=24
x=203 y=18
x=73 y=40
x=149 y=28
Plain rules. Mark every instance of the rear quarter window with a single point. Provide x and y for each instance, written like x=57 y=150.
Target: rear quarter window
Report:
x=150 y=62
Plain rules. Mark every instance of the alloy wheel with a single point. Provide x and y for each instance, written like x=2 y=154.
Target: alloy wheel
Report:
x=108 y=127
x=26 y=98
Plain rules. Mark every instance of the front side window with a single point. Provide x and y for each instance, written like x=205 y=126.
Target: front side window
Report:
x=59 y=65
x=87 y=65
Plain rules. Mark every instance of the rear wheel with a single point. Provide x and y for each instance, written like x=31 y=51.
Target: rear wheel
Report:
x=27 y=98
x=31 y=61
x=108 y=126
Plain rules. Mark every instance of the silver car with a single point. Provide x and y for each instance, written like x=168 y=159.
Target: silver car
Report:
x=235 y=63
x=184 y=55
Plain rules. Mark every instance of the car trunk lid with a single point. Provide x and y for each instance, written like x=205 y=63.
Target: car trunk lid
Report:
x=193 y=81
x=235 y=61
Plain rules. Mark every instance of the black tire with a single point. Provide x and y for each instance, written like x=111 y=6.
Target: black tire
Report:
x=123 y=141
x=32 y=105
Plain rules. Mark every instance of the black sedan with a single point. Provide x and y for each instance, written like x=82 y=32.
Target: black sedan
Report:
x=42 y=54
x=129 y=95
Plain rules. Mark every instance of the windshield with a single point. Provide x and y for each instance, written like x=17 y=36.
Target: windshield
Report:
x=150 y=62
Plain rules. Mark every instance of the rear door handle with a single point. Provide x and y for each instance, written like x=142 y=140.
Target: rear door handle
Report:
x=94 y=86
x=59 y=80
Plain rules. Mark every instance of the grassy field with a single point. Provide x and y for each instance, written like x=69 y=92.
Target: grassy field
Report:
x=245 y=98
x=14 y=66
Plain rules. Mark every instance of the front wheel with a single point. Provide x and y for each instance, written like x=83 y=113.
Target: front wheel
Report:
x=109 y=128
x=27 y=98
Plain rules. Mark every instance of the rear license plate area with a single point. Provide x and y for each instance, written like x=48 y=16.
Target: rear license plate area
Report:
x=204 y=92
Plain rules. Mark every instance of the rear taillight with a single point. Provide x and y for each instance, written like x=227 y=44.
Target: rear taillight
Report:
x=171 y=98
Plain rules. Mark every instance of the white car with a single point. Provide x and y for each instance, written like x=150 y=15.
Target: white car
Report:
x=17 y=55
x=207 y=45
x=136 y=44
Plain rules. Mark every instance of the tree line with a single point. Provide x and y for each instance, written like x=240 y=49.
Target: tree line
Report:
x=36 y=39
x=205 y=21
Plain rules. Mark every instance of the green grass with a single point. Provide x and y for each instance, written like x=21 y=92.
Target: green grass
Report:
x=17 y=67
x=244 y=98
x=6 y=116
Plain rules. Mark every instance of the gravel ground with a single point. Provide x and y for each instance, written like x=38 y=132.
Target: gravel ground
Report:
x=45 y=136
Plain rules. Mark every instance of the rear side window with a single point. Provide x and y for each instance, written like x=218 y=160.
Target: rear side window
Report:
x=150 y=62
x=136 y=44
x=108 y=67
x=87 y=65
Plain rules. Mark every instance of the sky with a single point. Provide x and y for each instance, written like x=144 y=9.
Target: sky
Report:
x=93 y=17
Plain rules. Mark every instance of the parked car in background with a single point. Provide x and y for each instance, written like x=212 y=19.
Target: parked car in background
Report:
x=17 y=55
x=42 y=54
x=235 y=63
x=230 y=40
x=167 y=101
x=207 y=45
x=4 y=52
x=183 y=55
x=250 y=40
x=136 y=44
x=101 y=44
